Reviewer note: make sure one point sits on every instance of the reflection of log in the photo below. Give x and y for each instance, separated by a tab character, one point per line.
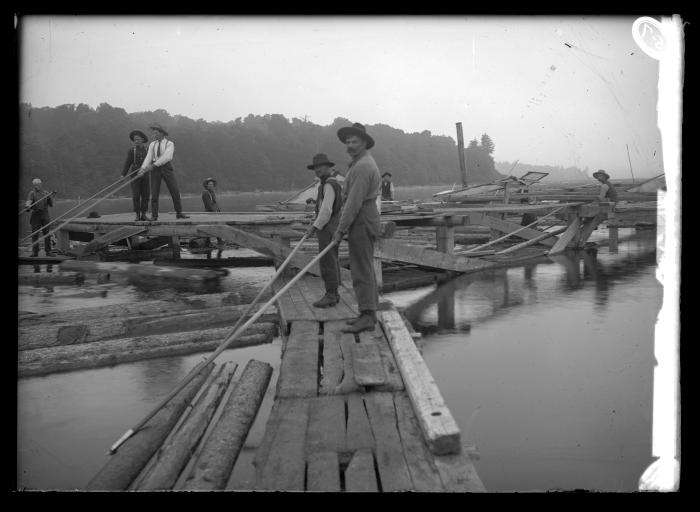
50	278
143	271
40	335
42	361
220	450
123	466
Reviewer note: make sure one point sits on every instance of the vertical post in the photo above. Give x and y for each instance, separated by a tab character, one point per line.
62	240
612	238
506	193
378	273
460	150
445	238
175	246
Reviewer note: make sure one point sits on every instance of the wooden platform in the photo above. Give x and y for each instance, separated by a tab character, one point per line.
342	419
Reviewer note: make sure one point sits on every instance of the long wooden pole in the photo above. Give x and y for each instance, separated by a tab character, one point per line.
460	150
533	241
223	346
630	161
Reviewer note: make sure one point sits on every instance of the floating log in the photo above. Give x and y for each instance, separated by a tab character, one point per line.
50	278
109	238
143	271
439	427
123	466
39	260
42	361
221	448
238	261
136	255
38	335
173	455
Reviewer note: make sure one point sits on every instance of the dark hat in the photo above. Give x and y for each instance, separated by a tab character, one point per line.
600	172
204	183
156	126
386	174
93	215
355	129
139	133
318	160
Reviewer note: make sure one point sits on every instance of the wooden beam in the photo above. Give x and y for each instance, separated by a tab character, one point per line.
568	236
460	151
505	226
390	249
112	236
439	427
536	240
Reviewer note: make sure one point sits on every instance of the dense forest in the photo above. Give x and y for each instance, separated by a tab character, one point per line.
556	173
78	150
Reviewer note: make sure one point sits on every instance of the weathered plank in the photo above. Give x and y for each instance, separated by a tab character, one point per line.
112	236
138	271
299	368
323	472
367	364
359	433
173	455
458	474
222	447
326	429
393	471
360	475
505	226
348	384
284	466
332	357
568	236
390	249
124	465
439	427
389	369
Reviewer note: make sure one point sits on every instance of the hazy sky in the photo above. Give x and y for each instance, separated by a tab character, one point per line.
515	78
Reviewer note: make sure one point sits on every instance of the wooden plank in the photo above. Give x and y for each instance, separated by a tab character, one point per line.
367	364
424	473
505	226
326	429
568	235
360	475
299	368
528	243
109	238
392	376
332	357
124	465
439	427
358	432
390	249
348	384
222	447
323	472
285	467
393	471
142	271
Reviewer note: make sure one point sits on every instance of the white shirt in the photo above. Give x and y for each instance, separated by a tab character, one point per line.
165	150
326	209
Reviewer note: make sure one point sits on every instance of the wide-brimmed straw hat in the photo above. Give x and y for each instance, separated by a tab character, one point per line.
355	129
204	183
601	172
134	133
318	160
156	126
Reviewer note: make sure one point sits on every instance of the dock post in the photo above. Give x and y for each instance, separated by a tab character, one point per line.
612	238
460	154
62	240
175	246
445	238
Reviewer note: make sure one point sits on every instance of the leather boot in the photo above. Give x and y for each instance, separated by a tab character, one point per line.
138	217
354	320
143	216
181	216
364	323
329	300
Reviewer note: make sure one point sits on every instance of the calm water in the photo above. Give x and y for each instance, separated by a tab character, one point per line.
546	368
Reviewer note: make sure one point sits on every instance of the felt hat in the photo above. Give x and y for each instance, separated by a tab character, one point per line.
318	160
601	172
386	174
36	181
204	183
156	126
134	133
355	129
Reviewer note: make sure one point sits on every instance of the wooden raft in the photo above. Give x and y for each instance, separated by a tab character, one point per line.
343	419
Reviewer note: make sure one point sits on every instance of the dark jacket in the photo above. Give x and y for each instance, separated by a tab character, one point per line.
209	200
43	200
134	159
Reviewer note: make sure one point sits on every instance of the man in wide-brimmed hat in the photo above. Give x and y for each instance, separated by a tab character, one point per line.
360	220
209	196
140	187
387	187
328	205
157	162
607	189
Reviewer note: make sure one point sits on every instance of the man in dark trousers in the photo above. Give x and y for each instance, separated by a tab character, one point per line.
157	162
209	200
38	202
387	187
140	187
360	220
329	201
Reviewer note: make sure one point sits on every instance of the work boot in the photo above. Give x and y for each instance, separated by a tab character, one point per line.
181	216
143	216
364	323
138	217
353	320
329	300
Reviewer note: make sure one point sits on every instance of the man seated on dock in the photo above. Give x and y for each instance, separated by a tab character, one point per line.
140	187
360	219
327	206
607	189
38	202
387	187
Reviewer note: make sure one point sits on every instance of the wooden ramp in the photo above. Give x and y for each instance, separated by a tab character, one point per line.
343	419
109	238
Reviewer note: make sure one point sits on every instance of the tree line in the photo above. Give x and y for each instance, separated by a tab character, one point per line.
77	150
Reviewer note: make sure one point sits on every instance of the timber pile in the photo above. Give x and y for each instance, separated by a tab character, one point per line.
139	272
194	441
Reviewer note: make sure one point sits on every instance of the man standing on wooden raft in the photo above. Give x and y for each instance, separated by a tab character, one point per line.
329	201
209	200
140	187
607	189
360	220
387	187
38	202
157	162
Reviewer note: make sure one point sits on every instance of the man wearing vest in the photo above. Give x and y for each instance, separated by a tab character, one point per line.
38	201
387	187
209	200
328	205
140	187
607	189
360	220
157	162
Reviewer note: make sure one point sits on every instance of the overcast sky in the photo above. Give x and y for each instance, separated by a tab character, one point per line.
548	90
